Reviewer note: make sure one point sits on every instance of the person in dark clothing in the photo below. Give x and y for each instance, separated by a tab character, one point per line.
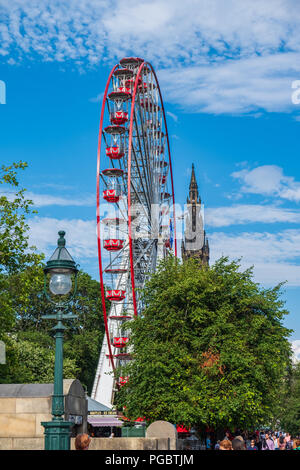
258	443
252	445
238	443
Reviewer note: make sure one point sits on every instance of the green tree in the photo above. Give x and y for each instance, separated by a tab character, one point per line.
15	253
289	413
34	363
22	302
83	337
206	349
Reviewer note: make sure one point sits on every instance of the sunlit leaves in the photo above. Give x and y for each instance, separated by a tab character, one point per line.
210	348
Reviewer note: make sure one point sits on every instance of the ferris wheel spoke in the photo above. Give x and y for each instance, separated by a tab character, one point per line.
142	157
142	204
144	252
142	116
125	247
142	180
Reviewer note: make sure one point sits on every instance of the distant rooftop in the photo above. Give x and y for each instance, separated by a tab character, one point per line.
94	406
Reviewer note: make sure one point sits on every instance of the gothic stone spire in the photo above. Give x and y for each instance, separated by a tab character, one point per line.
193	189
194	224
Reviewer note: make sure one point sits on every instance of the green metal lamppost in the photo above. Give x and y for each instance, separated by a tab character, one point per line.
61	267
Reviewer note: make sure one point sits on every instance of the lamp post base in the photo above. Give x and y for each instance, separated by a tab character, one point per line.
57	435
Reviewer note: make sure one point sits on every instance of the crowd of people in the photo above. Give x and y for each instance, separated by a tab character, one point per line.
259	440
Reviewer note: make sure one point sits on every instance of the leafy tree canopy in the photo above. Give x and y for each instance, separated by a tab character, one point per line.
15	253
22	302
82	339
289	413
209	350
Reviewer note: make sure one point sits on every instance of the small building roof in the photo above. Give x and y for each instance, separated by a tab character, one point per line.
94	406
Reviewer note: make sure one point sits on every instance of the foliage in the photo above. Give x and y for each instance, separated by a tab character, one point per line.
14	207
33	363
209	350
289	416
22	302
15	253
83	336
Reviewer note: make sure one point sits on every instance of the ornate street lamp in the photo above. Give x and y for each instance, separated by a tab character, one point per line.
61	268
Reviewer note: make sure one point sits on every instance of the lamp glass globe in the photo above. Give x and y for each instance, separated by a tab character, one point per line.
60	284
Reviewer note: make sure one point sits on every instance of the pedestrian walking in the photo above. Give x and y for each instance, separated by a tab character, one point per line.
227	436
287	440
275	440
267	443
282	442
252	445
217	445
208	443
258	442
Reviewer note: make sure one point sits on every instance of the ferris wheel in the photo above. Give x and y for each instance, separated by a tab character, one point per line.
135	207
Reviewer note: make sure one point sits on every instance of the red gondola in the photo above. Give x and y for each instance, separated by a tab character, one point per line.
115	295
120	341
119	117
115	152
111	195
113	245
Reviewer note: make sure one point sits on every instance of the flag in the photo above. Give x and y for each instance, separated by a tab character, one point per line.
171	233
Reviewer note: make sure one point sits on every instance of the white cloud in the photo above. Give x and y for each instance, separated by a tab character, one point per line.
214	56
98	98
249	213
272	254
80	235
296	350
42	200
173	116
81	238
269	180
236	86
158	29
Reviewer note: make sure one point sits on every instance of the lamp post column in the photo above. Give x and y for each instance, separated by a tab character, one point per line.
58	393
57	431
60	267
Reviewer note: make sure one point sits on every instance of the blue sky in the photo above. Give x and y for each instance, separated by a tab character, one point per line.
226	71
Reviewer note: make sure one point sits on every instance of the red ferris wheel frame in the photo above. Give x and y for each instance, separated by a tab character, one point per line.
140	69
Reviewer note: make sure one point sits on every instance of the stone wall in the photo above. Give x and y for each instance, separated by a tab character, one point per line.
24	406
22	417
129	443
22	443
101	443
